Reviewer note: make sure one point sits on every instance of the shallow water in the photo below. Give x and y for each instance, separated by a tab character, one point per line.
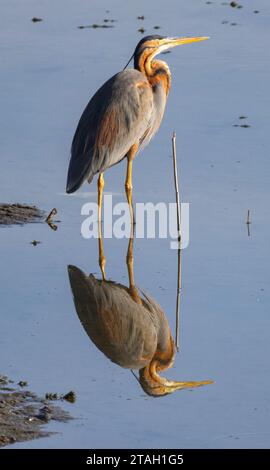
48	72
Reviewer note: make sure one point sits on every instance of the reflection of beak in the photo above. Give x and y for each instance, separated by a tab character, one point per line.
157	386
160	389
172	386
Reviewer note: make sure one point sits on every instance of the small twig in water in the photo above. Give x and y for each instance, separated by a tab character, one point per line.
49	219
248	222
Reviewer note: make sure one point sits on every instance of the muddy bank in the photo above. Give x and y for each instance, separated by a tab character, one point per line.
19	214
23	414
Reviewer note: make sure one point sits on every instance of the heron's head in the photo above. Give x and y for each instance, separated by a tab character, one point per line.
156	386
150	46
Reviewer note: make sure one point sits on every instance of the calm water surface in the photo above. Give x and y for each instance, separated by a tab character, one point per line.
48	72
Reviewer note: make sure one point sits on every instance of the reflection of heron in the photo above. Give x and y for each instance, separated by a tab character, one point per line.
122	116
128	326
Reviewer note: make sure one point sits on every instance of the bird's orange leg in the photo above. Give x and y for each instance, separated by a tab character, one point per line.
132	288
100	193
102	259
128	185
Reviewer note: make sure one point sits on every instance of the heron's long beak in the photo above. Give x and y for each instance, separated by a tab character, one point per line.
169	43
172	42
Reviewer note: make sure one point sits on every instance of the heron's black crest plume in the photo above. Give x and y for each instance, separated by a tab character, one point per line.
139	48
146	39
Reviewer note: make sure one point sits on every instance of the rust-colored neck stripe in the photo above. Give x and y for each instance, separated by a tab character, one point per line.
156	71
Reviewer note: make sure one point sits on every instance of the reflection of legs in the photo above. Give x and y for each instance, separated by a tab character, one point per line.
100	192
132	288
128	185
102	259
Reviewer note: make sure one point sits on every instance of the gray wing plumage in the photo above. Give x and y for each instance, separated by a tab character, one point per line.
122	329
118	115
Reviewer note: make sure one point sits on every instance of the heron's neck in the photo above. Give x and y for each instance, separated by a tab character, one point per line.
162	360
156	71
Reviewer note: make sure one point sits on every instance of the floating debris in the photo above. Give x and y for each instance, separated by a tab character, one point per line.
156	27
225	22
236	5
141	30
51	215
248	217
49	219
256	11
248	222
51	396
142	17
242	117
95	26
166	52
109	21
245	126
23	383
35	242
70	396
234	24
35	19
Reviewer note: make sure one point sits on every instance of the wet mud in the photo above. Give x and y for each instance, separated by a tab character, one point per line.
19	214
23	414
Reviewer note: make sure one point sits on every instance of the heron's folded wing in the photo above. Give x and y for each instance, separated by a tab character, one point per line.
116	117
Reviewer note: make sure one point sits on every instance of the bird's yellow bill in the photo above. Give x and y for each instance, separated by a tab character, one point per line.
171	385
179	41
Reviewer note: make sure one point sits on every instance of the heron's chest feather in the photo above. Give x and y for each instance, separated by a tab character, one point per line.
159	102
160	80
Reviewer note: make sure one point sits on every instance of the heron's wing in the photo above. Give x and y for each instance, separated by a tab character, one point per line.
116	324
116	117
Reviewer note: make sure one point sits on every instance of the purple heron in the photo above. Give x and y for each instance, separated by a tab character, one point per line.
128	326
122	116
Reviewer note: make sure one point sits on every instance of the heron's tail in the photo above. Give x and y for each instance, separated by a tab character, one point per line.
79	171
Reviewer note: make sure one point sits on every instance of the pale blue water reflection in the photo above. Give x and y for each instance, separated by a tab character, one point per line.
48	72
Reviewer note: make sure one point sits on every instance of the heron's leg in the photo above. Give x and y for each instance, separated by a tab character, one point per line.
102	259
130	265
100	193
128	185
